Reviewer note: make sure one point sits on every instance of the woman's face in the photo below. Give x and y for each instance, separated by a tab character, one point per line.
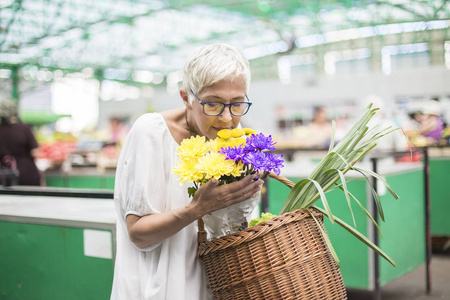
419	117
224	91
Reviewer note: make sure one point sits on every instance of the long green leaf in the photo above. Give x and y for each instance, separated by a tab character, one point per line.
327	240
325	188
322	196
360	237
376	198
346	193
381	179
293	196
366	212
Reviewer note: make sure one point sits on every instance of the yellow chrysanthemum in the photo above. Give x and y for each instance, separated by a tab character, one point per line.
215	165
192	148
237	132
216	144
187	171
249	131
238	169
234	142
225	134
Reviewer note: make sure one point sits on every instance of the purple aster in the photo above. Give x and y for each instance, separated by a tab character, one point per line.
259	142
258	160
275	163
234	153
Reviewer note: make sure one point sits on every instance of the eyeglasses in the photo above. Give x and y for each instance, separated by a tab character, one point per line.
212	108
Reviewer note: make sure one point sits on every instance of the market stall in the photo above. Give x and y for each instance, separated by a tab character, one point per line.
440	198
58	247
80	177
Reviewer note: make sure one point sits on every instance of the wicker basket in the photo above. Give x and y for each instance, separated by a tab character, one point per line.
282	258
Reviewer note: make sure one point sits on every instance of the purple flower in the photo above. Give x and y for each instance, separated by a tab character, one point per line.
263	161
255	153
275	162
259	142
257	159
234	153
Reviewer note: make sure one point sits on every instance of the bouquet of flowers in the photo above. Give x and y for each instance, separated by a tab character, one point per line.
230	157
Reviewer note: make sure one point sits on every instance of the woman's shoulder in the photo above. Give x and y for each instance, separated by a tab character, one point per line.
149	122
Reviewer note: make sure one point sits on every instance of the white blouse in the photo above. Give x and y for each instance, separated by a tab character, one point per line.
144	185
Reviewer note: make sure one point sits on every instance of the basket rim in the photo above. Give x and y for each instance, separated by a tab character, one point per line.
256	231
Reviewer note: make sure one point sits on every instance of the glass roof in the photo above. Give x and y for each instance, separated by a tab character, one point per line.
156	35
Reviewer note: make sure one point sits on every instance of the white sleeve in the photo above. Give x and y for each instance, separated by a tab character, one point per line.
140	177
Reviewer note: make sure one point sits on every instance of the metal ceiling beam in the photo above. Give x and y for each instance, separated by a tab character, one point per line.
73	25
275	13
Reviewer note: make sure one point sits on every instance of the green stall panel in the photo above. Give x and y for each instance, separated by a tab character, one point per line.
85	182
81	182
109	182
56	181
440	197
53	262
403	232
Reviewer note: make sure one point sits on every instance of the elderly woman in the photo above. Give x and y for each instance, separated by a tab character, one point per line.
156	226
18	146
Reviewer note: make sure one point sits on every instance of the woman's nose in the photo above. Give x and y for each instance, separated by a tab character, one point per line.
226	115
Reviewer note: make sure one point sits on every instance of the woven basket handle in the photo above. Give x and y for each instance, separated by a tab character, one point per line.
201	235
282	179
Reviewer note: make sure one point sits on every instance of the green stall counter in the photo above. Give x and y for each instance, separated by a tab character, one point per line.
56	247
403	232
81	178
440	197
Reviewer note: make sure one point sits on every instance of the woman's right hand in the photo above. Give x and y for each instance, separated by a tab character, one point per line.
211	197
150	229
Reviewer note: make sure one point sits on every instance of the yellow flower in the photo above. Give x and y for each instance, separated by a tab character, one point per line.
215	165
249	131
216	144
187	171
237	132
238	169
234	142
194	147
225	134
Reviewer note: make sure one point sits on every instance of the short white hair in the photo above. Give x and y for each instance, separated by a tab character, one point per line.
209	64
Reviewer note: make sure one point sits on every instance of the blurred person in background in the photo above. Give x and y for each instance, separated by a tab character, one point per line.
156	219
321	128
316	134
119	130
18	144
430	124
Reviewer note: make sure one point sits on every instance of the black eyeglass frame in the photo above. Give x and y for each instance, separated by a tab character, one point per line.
249	103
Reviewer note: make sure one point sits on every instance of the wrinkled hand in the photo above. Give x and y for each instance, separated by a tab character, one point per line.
211	197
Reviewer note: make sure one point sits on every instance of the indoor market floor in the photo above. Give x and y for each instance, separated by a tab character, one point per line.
412	286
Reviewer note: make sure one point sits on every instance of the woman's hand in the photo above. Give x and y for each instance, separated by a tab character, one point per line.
211	197
150	229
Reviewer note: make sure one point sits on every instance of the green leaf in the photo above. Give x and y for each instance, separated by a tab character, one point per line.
346	193
293	198
365	211
327	240
376	198
322	197
191	191
360	236
381	179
